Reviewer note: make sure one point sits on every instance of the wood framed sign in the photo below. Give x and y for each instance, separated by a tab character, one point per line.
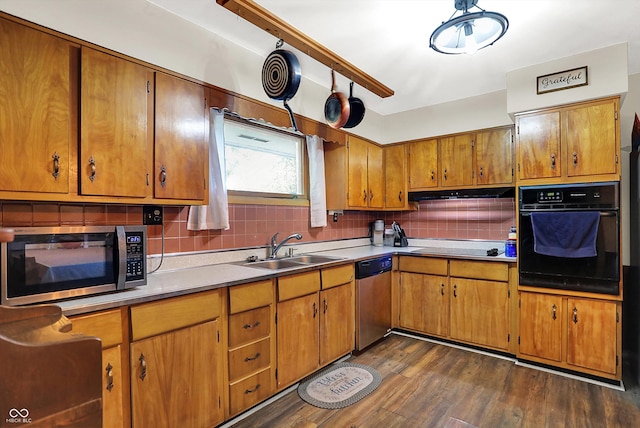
563	80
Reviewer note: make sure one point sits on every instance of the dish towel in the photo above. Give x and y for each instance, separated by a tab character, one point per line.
565	234
317	189
215	215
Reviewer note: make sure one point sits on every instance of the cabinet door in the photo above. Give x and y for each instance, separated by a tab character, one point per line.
375	176
591	140
592	334
113	386
395	177
424	303
541	318
494	157
297	338
337	320
176	378
114	148
480	312
538	145
423	164
358	190
35	104
181	149
456	161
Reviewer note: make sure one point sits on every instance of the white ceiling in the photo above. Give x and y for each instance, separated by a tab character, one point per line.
389	40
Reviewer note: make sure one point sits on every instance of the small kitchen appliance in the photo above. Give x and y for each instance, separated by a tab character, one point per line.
376	231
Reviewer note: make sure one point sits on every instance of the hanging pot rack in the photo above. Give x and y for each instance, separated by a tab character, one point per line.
262	18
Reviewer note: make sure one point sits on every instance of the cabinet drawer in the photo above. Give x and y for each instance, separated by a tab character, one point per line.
105	325
332	277
429	265
250	391
150	319
248	359
494	271
249	326
250	296
302	284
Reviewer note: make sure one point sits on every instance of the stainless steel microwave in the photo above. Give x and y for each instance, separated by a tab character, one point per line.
53	263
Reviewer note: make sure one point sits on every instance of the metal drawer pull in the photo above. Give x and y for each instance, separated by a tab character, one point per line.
553	311
248	326
255	357
92	165
143	367
56	165
249	391
109	370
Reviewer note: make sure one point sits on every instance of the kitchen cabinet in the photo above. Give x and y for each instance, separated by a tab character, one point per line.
572	143
424	295
181	146
423	164
316	321
590	328
36	110
176	361
461	300
456	160
395	177
494	157
114	146
251	344
111	327
354	175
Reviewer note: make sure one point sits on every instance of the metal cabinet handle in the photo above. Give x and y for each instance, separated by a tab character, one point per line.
445	174
250	391
553	161
109	370
255	357
553	312
325	306
56	165
364	195
442	289
481	172
575	159
400	196
163	176
575	315
370	196
248	326
315	309
143	367
433	175
92	165
455	290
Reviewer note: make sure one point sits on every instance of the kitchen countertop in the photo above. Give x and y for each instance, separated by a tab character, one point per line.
177	282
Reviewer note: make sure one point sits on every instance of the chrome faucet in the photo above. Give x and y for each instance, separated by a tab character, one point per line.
275	246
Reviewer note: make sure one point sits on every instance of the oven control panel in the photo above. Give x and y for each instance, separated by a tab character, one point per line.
550	196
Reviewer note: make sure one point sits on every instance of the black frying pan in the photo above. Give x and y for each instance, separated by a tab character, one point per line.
357	110
336	108
281	78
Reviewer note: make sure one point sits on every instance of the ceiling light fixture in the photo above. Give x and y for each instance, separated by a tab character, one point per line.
469	32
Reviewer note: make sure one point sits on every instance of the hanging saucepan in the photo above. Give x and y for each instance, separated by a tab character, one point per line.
336	108
281	77
357	110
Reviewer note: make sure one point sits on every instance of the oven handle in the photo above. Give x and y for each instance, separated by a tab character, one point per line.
121	237
602	213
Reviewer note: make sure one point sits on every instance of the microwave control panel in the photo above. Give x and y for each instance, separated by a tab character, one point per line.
135	255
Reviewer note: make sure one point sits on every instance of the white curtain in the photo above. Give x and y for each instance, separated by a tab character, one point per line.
317	190
216	214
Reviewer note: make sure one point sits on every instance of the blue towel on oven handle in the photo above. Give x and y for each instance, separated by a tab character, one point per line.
569	234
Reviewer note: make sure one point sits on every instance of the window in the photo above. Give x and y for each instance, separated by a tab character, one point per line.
263	161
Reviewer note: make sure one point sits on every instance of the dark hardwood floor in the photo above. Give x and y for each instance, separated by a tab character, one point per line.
431	385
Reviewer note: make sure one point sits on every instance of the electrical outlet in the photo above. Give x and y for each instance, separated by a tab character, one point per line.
151	214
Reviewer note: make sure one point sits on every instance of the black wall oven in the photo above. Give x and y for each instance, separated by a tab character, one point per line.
569	237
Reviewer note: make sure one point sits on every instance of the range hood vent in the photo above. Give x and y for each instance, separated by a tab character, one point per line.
493	192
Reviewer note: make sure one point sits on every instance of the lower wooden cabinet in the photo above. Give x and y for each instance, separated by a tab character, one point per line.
177	362
110	327
424	300
575	333
337	313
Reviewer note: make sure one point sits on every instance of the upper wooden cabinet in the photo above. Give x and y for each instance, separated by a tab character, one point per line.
181	148
114	147
482	158
580	142
35	110
395	177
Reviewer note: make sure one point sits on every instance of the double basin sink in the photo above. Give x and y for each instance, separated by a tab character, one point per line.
291	262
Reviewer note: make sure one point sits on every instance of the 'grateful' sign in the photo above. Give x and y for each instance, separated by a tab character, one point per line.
563	80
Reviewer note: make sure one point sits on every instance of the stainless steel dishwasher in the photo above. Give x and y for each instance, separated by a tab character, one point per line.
373	300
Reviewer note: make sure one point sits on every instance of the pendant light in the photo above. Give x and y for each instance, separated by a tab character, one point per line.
470	31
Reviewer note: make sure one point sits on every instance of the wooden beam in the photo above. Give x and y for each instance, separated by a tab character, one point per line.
262	18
